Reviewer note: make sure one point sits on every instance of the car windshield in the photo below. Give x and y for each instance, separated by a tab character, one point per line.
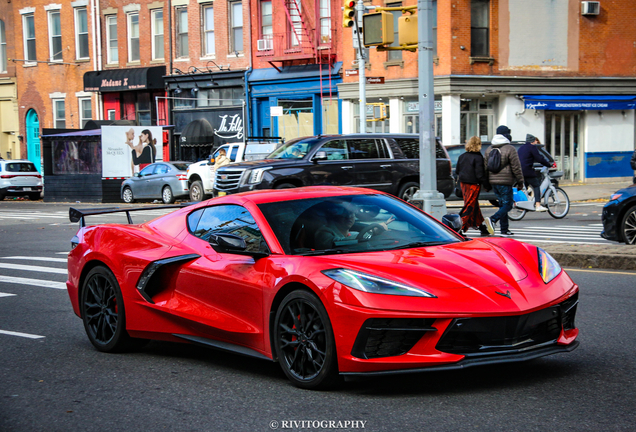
347	224
20	167
293	149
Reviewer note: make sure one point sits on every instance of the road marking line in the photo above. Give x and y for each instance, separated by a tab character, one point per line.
35	282
6	294
599	271
36	258
25	335
33	268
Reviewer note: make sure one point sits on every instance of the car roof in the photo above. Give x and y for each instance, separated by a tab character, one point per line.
277	195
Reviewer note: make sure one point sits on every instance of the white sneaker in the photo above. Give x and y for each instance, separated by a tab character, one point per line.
489	226
540	208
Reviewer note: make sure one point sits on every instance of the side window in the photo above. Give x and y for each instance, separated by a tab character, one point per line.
410	147
162	169
149	170
227	219
439	150
363	149
234	153
336	150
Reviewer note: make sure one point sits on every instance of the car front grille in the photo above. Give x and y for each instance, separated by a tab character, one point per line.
228	179
386	337
490	335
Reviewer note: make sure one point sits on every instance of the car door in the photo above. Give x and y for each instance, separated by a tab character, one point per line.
336	169
156	180
373	164
223	292
141	185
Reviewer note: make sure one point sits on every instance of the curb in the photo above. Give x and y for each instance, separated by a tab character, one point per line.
582	260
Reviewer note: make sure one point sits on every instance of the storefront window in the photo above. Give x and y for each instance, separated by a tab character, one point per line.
297	119
77	157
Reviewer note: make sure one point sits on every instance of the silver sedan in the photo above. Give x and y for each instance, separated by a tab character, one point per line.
166	181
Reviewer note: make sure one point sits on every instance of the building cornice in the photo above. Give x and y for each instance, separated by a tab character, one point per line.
491	84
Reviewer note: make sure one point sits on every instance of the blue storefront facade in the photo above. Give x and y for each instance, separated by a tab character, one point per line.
295	101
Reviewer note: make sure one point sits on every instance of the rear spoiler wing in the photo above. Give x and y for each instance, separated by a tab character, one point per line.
79	215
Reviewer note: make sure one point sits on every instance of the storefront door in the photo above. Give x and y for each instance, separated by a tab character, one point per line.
33	138
562	139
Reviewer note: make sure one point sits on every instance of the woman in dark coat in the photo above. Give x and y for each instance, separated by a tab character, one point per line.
471	175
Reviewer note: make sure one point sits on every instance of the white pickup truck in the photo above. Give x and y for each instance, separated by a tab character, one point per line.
201	174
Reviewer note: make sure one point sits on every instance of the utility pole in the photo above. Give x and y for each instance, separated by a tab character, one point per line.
427	198
361	66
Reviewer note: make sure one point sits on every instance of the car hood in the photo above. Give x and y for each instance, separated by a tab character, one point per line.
471	264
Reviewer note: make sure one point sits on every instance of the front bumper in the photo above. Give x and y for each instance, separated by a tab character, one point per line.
609	218
386	342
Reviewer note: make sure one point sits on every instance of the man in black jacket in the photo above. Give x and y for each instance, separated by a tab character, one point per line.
528	155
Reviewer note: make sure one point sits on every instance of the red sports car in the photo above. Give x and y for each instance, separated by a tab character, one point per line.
326	281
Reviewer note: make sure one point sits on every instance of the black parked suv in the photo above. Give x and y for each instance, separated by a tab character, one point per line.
385	162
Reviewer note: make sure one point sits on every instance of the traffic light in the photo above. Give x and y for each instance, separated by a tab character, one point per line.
349	13
407	30
378	28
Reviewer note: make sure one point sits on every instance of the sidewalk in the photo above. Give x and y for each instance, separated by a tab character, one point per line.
614	256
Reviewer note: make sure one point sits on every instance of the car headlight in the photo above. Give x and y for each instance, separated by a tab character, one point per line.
256	175
373	284
548	266
615	196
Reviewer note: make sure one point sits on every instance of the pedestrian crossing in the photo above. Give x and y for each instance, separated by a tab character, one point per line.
567	234
37	272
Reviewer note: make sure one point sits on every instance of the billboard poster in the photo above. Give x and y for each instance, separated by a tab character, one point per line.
128	149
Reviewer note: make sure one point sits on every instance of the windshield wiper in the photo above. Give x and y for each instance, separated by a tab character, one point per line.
326	252
421	244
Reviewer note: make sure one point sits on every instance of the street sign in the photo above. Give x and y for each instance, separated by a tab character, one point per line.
375	80
352	72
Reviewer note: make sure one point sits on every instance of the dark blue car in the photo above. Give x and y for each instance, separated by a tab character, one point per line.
619	216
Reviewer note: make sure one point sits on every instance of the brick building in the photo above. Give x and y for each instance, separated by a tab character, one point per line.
53	48
546	67
9	124
297	67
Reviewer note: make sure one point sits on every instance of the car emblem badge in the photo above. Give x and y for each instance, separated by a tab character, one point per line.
506	294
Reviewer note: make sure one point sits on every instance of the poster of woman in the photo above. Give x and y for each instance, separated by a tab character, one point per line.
126	150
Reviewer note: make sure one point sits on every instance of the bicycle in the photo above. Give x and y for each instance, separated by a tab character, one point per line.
552	197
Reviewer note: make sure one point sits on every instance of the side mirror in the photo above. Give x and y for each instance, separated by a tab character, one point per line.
227	243
137	175
321	155
453	221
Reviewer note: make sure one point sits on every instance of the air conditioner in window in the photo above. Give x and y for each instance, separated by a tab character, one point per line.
265	44
590	8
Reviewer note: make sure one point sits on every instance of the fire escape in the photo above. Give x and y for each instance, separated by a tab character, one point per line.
302	43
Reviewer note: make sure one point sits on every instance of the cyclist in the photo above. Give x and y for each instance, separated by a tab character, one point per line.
528	155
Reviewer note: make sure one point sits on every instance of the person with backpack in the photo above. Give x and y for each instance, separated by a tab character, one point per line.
504	170
528	155
471	175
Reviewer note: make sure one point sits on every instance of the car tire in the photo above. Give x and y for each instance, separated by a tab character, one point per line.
197	192
103	313
166	195
2	197
408	190
34	196
285	186
304	342
628	226
127	196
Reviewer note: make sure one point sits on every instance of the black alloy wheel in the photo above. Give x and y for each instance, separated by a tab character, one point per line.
628	226
103	312
304	342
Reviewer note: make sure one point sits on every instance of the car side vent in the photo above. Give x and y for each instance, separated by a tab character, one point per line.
590	8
